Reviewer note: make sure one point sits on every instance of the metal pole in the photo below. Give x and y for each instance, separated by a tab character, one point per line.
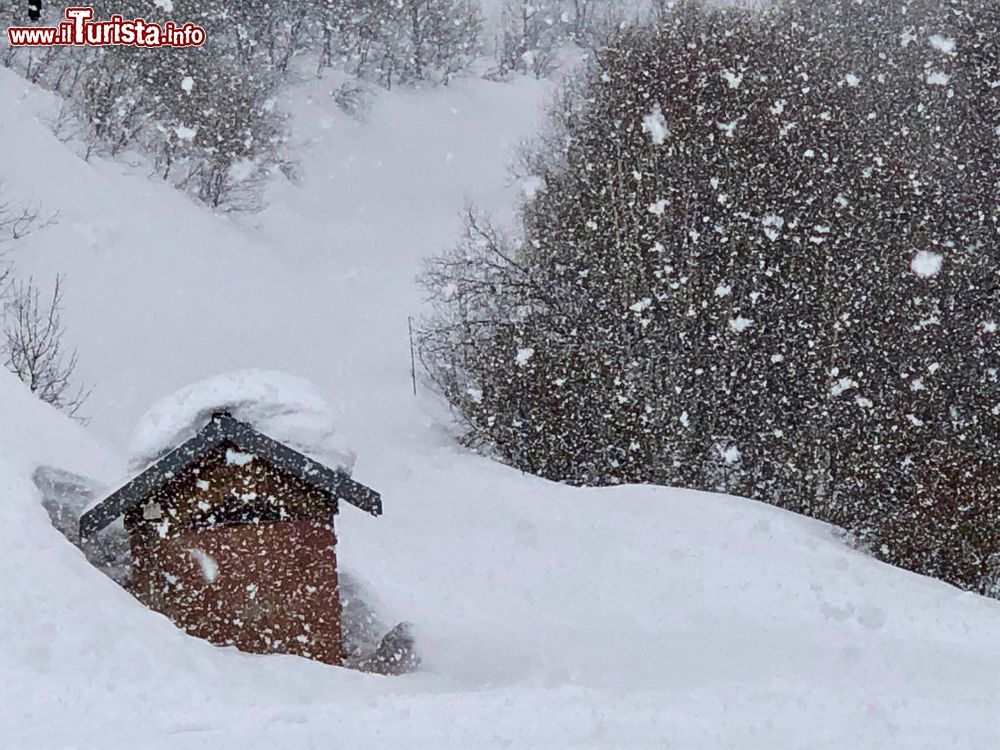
413	358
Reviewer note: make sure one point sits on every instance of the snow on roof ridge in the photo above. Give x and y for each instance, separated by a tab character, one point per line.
285	407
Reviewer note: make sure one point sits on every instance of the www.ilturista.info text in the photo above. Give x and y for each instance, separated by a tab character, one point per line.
80	30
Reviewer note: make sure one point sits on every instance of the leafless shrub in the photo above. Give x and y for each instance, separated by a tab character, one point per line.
18	220
31	341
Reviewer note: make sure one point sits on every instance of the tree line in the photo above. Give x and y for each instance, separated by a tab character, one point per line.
207	117
760	256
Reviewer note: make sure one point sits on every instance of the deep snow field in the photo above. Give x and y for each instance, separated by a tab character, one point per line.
546	616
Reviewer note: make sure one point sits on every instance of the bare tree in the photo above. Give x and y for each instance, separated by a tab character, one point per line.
15	222
529	38
32	345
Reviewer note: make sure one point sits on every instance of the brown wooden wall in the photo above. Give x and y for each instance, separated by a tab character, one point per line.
243	554
267	588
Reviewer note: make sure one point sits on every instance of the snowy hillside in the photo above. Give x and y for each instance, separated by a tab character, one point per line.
375	200
547	616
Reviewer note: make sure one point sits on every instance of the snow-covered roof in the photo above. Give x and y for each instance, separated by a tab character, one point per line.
223	430
284	407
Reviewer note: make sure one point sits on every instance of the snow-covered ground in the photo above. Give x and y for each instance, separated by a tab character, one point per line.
547	616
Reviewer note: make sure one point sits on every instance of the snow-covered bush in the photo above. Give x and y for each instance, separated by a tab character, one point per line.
207	117
757	256
112	101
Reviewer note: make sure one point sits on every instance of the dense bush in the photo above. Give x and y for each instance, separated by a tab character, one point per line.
760	257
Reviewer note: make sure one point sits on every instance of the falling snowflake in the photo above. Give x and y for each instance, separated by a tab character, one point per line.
236	458
730	454
844	384
209	567
185	133
733	79
531	186
659	207
740	324
729	128
942	43
926	264
772	224
655	124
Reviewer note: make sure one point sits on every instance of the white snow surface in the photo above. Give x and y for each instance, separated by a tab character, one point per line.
33	434
287	408
547	616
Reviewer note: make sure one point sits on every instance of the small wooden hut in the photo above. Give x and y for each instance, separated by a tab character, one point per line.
232	537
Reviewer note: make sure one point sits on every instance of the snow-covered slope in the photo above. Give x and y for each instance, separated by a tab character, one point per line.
162	293
547	616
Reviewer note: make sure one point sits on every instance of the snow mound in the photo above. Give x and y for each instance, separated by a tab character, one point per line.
284	407
36	437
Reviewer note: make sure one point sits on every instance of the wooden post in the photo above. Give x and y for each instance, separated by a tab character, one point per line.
413	358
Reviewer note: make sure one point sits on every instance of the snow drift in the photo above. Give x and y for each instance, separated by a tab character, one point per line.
549	617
